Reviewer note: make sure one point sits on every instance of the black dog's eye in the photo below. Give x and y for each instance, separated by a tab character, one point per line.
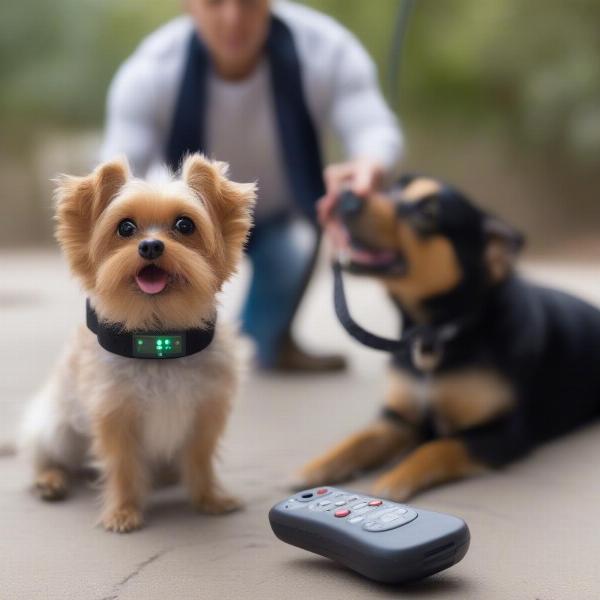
423	216
184	225
426	216
127	228
430	209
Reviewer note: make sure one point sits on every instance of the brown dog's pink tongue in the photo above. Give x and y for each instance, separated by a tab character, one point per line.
152	279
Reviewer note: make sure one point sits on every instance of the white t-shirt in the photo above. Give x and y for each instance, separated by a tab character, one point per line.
339	81
241	129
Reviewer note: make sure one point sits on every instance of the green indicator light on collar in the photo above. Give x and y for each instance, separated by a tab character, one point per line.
154	346
158	345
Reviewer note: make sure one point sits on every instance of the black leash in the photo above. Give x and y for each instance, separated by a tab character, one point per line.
361	335
425	342
396	49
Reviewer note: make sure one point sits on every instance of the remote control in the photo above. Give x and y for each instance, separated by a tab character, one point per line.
382	540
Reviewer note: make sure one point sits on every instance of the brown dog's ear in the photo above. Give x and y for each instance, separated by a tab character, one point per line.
503	245
229	203
79	203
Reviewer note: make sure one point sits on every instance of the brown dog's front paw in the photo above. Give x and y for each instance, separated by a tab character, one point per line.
52	485
123	520
217	504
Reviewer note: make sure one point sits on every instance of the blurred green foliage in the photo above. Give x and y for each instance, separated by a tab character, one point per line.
57	58
520	70
525	70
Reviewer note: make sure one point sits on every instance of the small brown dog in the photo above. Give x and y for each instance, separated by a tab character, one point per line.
151	258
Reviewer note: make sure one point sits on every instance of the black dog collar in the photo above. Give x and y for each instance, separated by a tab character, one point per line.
426	343
149	344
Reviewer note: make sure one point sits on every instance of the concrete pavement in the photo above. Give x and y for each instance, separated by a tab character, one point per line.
535	526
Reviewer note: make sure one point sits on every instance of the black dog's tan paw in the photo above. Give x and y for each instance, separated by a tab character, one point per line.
393	488
217	504
123	520
52	485
335	467
362	450
312	476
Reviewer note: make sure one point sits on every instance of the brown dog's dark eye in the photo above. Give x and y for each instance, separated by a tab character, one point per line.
184	225
127	228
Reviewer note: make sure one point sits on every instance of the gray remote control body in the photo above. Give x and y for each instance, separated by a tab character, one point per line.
382	540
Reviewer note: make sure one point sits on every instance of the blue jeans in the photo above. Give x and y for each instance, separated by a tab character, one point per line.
282	260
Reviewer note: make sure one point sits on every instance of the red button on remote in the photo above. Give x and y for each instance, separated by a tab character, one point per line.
376	503
322	491
342	512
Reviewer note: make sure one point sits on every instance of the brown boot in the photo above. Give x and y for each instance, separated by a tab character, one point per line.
292	359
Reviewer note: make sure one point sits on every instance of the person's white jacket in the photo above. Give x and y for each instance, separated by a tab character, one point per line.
339	80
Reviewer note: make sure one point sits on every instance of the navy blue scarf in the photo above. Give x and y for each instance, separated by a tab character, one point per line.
299	140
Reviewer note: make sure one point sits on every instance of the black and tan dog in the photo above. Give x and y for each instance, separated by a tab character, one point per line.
491	365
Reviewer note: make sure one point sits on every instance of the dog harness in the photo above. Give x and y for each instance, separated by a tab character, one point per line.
149	344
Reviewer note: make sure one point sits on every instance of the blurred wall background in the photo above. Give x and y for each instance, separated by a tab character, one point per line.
500	97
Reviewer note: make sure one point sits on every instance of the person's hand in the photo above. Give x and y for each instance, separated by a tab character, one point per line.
361	175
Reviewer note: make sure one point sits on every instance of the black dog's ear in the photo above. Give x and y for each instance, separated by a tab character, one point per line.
406	179
502	247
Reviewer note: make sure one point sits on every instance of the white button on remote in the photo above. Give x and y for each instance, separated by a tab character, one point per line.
355	519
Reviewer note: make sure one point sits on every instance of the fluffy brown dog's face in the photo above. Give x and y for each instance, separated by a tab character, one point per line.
154	256
422	240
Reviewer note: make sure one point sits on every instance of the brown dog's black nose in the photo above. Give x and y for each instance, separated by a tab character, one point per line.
150	249
349	206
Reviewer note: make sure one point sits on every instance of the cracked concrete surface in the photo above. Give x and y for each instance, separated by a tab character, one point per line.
118	588
535	526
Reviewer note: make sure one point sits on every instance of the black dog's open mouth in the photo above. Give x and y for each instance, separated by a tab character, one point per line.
359	258
362	258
